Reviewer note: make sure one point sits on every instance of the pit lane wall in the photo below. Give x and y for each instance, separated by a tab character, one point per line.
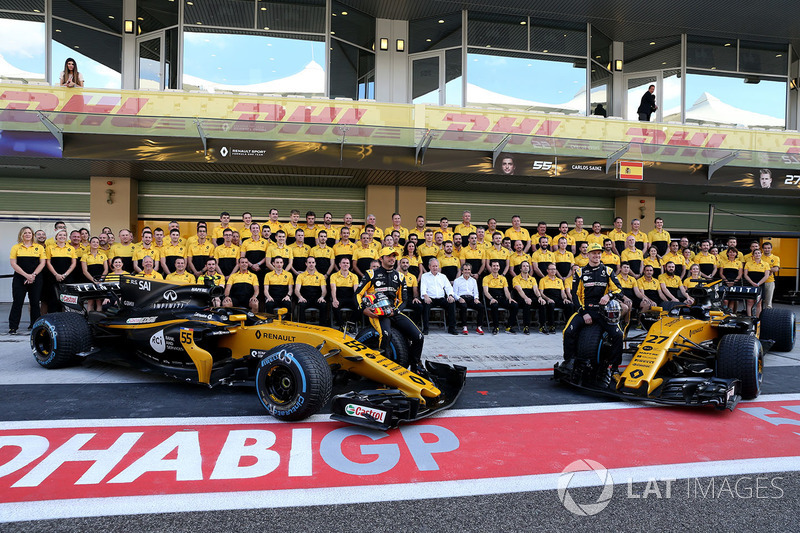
479	126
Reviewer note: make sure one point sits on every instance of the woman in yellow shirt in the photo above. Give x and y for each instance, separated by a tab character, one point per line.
755	274
27	261
653	260
94	265
410	252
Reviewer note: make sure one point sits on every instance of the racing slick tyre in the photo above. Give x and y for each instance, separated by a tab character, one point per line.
58	338
398	346
778	325
590	344
741	356
293	381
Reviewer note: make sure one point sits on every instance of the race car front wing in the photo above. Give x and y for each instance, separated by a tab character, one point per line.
685	391
384	409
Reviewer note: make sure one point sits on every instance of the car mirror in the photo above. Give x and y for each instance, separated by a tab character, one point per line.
237	318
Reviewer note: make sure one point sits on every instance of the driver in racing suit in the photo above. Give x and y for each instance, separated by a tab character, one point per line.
595	285
385	279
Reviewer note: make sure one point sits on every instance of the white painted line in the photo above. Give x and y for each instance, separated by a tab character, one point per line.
266	419
131	505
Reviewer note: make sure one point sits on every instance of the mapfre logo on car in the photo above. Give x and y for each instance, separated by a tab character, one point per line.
365	412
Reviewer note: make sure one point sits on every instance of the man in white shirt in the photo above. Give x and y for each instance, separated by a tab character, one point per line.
436	291
465	289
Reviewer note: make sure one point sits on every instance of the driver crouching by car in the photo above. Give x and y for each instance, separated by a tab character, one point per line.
595	286
385	281
242	288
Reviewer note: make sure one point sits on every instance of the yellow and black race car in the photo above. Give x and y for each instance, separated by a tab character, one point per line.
696	355
173	330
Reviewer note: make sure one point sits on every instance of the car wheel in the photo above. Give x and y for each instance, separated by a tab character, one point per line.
58	338
778	325
741	357
590	343
398	346
293	381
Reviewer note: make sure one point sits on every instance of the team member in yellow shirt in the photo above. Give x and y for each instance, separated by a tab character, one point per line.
94	263
756	273
496	295
648	290
242	288
278	287
427	250
706	260
343	296
398	227
447	233
300	251
775	265
563	232
419	229
597	237
171	251
527	294
148	271
28	259
563	259
414	260
211	276
449	263
542	257
343	248
579	234
291	227
627	284
465	227
311	291
659	237
199	252
497	253
654	261
331	231
180	275
676	257
145	249
473	255
608	257
218	235
672	288
640	236
227	254
582	259
517	233
363	255
619	237
323	254
517	258
632	256
554	293
124	249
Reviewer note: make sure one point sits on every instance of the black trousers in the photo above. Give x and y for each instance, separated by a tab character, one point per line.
345	303
18	291
527	310
470	303
407	328
513	309
576	323
449	311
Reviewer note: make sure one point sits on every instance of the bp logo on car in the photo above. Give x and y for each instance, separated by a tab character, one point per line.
360	411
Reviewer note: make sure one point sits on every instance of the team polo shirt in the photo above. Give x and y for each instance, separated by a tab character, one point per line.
60	253
659	239
516	259
641	238
465	229
341	281
290	230
626	282
707	262
217	233
403	232
362	257
185	278
689	283
672	283
255	250
774	261
543	258
609	258
634	258
593	238
551	287
563	261
450	266
524	284
243	285
473	256
650	288
678	259
420	233
729	270
411	280
498	282
756	271
216	278
299	254
141	253
310	234
487	237
580	237
122	250
520	234
280	251
331	233
427	251
413	260
227	257
152	275
171	252
502	255
341	250
447	234
28	257
655	263
581	260
305	279
95	264
555	238
324	257
618	237
692	254
200	253
51	241
111	277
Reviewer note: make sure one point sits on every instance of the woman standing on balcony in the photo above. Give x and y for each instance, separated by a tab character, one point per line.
70	77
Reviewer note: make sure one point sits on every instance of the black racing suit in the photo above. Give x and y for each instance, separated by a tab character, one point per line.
591	284
393	285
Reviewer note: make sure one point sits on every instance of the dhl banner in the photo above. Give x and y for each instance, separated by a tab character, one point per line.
245	116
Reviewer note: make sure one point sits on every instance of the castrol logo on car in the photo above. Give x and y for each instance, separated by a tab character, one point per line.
365	412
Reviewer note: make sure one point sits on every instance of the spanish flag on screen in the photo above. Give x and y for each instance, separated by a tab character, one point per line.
631	170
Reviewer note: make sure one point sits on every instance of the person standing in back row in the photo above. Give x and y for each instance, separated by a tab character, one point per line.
648	104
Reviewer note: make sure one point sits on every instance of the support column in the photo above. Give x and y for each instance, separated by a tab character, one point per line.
129	47
411	202
391	66
381	202
641	207
115	205
618	88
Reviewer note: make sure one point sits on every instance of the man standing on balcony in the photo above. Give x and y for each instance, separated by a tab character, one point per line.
648	104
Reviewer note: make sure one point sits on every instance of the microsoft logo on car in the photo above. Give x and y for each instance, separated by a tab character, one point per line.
364	412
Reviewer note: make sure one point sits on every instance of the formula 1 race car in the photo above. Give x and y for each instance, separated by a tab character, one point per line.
172	330
696	355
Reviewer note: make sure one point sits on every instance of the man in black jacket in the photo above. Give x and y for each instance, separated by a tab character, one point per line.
648	104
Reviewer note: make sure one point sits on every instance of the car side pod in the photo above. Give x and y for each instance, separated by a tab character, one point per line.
384	409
